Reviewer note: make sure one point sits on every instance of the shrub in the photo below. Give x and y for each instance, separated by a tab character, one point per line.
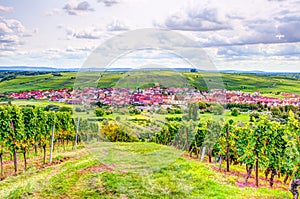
134	111
99	112
254	116
202	105
66	109
115	133
217	109
174	119
77	109
235	112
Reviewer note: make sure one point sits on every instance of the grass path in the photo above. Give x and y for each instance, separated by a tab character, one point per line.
129	170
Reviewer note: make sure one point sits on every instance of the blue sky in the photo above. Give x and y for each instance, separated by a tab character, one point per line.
241	35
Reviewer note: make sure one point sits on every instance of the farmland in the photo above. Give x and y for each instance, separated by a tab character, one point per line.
143	151
266	84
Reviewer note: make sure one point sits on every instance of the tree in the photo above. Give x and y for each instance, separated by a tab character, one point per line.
243	149
4	131
199	137
114	133
65	126
41	136
202	105
261	133
291	158
99	112
66	109
211	138
235	112
217	109
77	131
15	132
29	120
192	111
254	116
275	147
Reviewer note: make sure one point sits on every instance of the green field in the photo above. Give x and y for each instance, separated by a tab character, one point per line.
248	82
266	84
227	116
130	170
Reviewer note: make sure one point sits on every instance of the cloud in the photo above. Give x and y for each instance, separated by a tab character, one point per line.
259	51
117	25
109	3
77	9
55	11
195	19
11	31
8	26
5	9
219	25
87	33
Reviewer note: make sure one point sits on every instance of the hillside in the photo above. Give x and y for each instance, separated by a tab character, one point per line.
265	83
129	170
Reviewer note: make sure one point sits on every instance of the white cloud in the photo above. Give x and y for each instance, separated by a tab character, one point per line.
216	24
11	31
196	19
5	9
117	25
87	33
53	12
77	9
109	3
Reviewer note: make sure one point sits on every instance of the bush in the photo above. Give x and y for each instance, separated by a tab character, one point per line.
99	112
235	112
108	112
51	107
254	116
162	111
77	109
174	119
66	109
217	109
115	133
134	111
202	105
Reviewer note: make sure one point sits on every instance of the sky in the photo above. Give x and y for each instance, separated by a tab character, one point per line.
236	35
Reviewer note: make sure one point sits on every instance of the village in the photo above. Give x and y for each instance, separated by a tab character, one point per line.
154	96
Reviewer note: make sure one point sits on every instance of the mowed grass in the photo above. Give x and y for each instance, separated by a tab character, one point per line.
266	84
243	117
40	103
129	170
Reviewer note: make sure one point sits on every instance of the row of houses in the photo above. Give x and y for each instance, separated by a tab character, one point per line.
154	96
148	96
239	97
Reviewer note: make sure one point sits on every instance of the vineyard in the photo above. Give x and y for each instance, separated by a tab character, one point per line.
263	146
26	129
